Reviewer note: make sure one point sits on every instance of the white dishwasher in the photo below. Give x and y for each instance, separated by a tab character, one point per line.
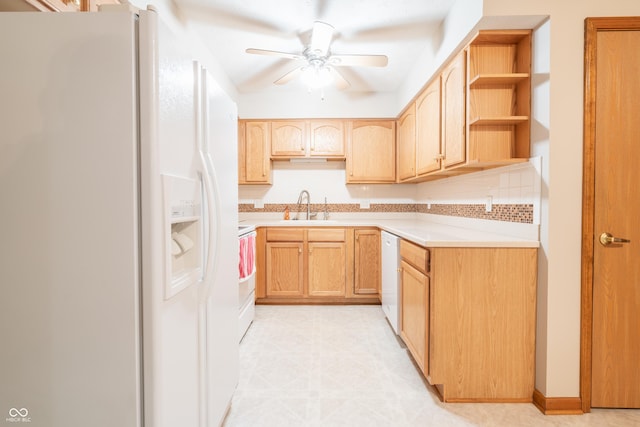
391	278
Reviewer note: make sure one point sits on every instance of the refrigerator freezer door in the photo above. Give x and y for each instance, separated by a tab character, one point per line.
69	259
168	146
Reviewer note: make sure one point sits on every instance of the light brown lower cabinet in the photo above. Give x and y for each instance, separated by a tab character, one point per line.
468	320
367	263
284	262
414	324
327	262
317	265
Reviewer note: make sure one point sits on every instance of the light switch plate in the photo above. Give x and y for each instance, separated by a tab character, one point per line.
365	204
258	204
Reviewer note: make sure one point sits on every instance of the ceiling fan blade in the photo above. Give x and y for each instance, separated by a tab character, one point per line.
321	38
274	53
358	60
289	76
338	80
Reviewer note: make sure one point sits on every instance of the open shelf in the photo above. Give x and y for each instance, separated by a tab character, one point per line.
497	79
504	120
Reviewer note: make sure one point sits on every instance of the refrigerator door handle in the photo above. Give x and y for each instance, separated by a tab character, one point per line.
213	213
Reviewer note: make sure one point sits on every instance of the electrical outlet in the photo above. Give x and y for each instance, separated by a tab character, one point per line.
365	204
258	204
489	204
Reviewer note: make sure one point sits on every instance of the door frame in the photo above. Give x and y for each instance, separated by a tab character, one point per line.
592	27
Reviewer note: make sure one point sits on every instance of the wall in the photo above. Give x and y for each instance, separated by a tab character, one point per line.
321	180
559	298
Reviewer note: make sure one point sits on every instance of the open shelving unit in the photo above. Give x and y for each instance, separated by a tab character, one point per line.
498	97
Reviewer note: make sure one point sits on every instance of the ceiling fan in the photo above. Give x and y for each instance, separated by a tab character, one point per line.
319	65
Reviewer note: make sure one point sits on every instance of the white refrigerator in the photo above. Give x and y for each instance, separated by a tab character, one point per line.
119	249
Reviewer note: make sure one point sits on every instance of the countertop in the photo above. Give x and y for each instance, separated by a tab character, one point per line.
421	232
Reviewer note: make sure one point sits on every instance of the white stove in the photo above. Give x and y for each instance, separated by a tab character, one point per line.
247	277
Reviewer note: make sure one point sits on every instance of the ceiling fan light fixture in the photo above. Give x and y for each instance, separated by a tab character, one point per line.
317	77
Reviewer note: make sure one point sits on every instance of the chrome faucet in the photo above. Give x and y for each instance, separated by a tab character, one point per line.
302	193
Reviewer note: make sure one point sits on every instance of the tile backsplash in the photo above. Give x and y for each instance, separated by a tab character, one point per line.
509	194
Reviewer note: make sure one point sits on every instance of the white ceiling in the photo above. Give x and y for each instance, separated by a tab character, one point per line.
399	29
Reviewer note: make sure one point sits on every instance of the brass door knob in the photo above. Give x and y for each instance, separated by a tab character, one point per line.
607	239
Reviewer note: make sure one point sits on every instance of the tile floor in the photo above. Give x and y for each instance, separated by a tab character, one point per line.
326	366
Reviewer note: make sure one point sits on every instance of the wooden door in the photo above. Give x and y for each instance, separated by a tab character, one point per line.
288	138
326	138
327	264
428	153
407	144
367	262
453	112
371	151
285	269
612	205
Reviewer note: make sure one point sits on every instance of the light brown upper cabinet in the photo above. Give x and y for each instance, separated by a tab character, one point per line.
326	138
453	112
371	152
407	144
254	140
475	114
288	139
307	138
428	153
499	96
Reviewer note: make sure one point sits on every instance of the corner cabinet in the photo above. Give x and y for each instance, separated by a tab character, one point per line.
468	320
371	151
254	142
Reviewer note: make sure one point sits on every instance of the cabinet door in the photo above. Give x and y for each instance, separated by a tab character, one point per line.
415	314
367	262
428	154
285	269
327	264
326	138
371	151
288	138
242	147
407	144
256	151
453	112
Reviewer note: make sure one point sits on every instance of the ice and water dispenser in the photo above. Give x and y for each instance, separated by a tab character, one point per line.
183	233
